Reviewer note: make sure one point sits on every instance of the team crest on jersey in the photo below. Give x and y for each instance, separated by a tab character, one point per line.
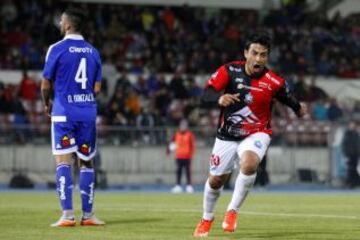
240	86
85	149
258	144
249	98
65	141
234	69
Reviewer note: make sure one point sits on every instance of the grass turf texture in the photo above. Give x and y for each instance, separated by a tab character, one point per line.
27	215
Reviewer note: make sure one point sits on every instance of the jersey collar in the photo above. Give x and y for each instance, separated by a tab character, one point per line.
74	37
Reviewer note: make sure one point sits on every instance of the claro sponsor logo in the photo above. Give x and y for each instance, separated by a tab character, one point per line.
80	50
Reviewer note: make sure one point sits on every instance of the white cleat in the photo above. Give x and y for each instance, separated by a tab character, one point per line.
177	189
92	221
64	222
189	189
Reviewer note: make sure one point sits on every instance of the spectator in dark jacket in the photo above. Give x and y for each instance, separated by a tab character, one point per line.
351	149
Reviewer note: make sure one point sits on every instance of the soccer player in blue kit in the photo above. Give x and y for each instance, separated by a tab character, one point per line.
73	70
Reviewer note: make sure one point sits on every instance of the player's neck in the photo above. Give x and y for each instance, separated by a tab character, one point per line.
247	70
71	32
251	74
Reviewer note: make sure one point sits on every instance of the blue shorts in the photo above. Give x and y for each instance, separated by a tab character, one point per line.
69	137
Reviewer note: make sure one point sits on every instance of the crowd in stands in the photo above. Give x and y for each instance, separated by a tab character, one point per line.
140	39
151	42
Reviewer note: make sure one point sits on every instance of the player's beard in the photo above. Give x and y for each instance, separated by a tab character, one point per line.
256	70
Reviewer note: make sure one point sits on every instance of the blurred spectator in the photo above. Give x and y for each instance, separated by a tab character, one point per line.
141	86
183	143
177	87
334	110
146	120
5	102
351	149
162	96
316	92
28	88
139	38
132	102
181	40
319	110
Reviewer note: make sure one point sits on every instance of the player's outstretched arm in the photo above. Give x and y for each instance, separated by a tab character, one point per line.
286	97
45	94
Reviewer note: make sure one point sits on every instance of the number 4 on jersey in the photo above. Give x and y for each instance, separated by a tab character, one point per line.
80	76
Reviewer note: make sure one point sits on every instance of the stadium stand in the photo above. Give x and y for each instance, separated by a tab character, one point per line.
164	49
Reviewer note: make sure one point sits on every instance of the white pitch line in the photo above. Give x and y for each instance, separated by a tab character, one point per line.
300	215
297	215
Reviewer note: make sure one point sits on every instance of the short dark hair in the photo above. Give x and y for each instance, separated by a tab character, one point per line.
76	17
260	38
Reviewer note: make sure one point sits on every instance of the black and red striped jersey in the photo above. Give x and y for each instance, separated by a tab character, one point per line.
253	112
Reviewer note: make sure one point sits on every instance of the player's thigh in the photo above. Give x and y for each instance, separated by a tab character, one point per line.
257	143
86	140
63	138
223	157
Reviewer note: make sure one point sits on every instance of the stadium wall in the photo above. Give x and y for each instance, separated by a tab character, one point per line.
151	165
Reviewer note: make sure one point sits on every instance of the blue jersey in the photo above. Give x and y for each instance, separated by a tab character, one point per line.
73	65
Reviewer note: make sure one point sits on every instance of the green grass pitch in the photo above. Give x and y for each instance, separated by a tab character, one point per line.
310	216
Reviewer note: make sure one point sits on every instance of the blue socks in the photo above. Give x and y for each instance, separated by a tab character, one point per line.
64	186
87	184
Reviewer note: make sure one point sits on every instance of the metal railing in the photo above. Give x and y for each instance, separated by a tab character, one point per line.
131	155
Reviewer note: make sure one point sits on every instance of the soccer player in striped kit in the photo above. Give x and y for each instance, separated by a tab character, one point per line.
244	91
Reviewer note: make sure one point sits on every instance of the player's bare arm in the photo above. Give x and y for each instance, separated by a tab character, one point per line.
228	99
97	88
45	94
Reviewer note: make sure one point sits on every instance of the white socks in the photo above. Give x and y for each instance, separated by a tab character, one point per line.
210	198
68	214
243	185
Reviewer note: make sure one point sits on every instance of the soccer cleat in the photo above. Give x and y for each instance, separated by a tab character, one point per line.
177	189
203	228
64	222
229	223
189	189
92	221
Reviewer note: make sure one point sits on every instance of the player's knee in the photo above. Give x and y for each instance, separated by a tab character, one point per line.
86	164
63	159
249	163
216	182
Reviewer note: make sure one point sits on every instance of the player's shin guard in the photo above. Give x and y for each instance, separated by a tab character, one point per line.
87	184
210	198
64	186
243	185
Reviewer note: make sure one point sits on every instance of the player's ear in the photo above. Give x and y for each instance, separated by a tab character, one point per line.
67	26
246	52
